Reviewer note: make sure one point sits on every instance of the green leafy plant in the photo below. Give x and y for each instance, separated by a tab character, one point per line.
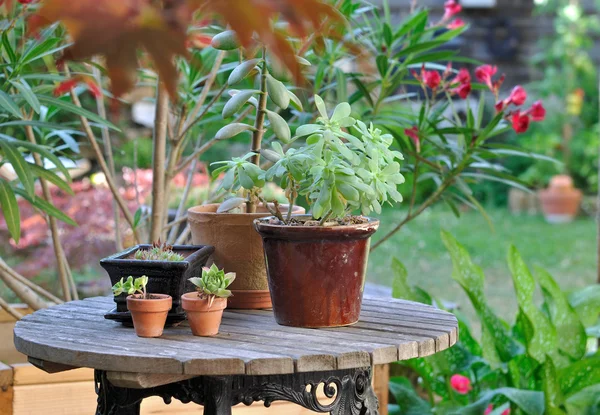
537	365
131	286
159	252
213	283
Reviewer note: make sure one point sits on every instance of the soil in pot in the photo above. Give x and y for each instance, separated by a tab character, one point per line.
238	249
560	201
149	315
204	318
316	273
170	278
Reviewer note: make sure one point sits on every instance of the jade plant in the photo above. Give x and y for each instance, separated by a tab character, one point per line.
344	166
159	252
213	283
131	286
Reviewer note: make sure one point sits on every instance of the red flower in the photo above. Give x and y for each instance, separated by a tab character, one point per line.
413	134
489	409
451	8
432	79
537	111
93	88
65	86
518	96
506	412
463	90
198	41
463	76
520	122
485	73
499	106
26	1
456	23
460	384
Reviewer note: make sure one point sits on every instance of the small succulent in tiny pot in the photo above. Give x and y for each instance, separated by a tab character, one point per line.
205	307
148	311
316	263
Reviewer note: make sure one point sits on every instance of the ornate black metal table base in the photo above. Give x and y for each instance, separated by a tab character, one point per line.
349	390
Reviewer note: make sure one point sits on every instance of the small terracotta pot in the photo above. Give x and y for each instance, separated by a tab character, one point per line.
149	315
316	274
560	201
204	320
238	249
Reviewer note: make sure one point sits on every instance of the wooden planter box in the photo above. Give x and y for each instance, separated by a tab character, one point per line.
27	390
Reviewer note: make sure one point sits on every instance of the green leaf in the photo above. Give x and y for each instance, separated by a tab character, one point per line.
564	318
551	388
278	92
544	338
70	107
46	207
530	402
295	101
579	375
407	398
586	303
10	210
27	94
51	177
10	53
400	286
236	102
382	64
18	163
36	148
226	40
46	47
585	402
9	105
242	71
280	126
420	47
137	217
321	107
231	204
232	130
411	23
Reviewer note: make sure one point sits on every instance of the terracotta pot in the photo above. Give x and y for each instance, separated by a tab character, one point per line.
204	320
560	201
238	249
149	315
164	277
316	274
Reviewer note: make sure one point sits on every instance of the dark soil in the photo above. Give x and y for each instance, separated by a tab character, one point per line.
348	220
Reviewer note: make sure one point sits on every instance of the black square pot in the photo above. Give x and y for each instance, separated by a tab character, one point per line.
164	277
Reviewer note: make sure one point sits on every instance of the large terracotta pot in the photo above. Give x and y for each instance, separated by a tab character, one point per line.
316	274
238	249
204	319
149	315
560	201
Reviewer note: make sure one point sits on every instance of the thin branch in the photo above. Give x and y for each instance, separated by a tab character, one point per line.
184	236
158	161
178	221
25	293
184	198
10	310
104	167
414	187
108	151
36	288
64	274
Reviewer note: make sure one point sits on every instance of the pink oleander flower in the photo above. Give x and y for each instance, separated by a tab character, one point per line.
456	23
432	79
520	122
489	409
451	8
413	134
537	111
518	96
461	384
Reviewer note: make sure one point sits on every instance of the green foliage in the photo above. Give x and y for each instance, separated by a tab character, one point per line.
213	283
535	366
131	286
159	252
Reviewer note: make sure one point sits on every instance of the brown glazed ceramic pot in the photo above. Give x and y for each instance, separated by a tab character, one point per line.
560	201
316	274
238	249
204	320
149	316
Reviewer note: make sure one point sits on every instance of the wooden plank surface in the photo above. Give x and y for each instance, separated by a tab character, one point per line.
250	341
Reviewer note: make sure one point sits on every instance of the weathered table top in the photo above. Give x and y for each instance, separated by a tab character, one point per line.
250	342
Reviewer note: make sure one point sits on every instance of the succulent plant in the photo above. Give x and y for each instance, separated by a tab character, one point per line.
213	283
131	286
159	252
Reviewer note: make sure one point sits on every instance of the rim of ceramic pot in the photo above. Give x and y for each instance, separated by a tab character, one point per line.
218	304
120	258
195	211
355	231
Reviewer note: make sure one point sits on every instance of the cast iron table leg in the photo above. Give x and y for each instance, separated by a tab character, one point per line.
349	390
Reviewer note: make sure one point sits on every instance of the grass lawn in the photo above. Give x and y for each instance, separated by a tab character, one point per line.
567	251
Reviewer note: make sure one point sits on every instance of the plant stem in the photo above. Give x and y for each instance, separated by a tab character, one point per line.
10	310
183	201
25	293
324	218
62	264
414	187
36	288
184	236
108	151
158	161
258	133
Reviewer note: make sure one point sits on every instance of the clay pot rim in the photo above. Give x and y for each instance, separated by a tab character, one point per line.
197	303
150	305
193	211
356	231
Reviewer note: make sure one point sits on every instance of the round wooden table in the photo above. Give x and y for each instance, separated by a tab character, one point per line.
252	358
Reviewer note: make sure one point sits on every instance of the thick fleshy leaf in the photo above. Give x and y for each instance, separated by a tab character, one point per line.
226	40
236	102
308	129
278	92
10	210
343	110
295	101
321	107
280	126
230	204
242	71
232	130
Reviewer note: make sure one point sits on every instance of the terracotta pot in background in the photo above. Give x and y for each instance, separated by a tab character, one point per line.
238	248
149	315
316	274
203	320
560	201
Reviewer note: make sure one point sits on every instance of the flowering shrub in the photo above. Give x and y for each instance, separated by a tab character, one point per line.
538	365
